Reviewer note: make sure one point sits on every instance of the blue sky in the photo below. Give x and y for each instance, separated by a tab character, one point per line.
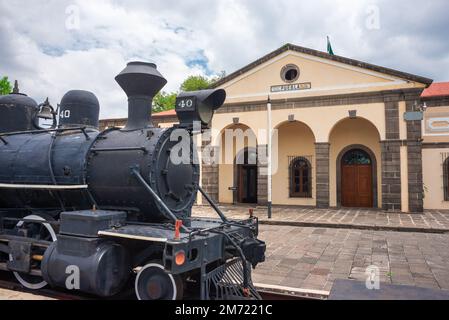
54	46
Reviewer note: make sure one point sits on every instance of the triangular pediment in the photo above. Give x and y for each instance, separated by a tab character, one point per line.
317	74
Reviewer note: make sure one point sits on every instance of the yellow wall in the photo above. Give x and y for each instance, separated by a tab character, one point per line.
226	169
315	124
433	160
295	139
353	132
430	135
433	178
320	120
326	76
347	132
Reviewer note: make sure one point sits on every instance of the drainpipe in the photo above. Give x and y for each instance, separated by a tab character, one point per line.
269	182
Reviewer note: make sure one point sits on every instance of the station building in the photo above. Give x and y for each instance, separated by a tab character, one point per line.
349	134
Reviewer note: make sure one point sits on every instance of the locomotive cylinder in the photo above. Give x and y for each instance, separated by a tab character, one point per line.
97	266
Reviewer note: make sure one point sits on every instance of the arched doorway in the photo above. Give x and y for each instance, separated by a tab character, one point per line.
246	176
294	177
234	140
357	177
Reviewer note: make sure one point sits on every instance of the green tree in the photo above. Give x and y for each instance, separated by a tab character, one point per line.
164	101
5	86
194	83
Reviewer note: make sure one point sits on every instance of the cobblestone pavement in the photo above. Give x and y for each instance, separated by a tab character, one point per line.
17	295
312	258
430	221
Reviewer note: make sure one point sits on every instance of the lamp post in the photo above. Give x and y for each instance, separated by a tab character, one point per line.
269	182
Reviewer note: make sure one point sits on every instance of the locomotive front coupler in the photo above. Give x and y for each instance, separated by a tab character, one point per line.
213	241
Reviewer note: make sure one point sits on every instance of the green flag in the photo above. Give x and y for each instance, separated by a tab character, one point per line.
329	47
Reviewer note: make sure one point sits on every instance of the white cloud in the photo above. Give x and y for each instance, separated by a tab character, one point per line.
48	59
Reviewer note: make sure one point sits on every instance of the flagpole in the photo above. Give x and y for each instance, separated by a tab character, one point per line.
269	182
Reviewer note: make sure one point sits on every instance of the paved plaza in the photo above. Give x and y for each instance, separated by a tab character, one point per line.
302	254
312	258
7	294
430	221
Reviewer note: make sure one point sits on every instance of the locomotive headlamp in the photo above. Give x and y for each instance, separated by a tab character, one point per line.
198	106
180	258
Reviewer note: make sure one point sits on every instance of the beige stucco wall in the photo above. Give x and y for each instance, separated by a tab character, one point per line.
226	168
433	160
315	124
295	139
433	178
353	132
326	76
319	120
430	136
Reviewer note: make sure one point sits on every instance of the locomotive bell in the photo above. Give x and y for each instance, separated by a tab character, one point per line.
140	81
46	111
198	106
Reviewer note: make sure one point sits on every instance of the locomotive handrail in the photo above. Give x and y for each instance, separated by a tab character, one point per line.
143	149
42	186
82	129
166	211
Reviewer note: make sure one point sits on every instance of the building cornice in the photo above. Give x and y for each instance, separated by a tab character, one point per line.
323	55
325	101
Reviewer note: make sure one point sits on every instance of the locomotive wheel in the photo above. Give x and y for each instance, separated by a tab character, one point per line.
39	231
154	283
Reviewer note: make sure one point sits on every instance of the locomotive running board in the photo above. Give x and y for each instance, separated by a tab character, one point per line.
143	233
130	236
42	186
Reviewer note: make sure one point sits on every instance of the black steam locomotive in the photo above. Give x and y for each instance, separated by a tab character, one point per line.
110	212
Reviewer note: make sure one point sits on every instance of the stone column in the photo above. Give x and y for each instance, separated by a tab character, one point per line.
262	178
322	174
209	179
391	156
414	153
392	117
391	175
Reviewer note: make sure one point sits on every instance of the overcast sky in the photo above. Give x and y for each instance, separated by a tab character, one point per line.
52	46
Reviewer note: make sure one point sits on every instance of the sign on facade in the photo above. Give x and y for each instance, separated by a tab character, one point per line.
292	87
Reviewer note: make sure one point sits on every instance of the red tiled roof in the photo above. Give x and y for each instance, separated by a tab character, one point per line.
438	89
165	113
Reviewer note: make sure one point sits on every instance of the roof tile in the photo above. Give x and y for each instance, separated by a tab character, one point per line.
438	89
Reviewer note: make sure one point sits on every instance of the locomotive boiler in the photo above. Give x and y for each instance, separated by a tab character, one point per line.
102	212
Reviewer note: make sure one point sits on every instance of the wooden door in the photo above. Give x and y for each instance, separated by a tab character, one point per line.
357	180
247	187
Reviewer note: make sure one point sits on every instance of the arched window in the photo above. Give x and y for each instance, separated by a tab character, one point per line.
356	156
300	178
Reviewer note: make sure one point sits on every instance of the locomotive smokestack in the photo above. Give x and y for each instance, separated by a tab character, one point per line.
140	81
